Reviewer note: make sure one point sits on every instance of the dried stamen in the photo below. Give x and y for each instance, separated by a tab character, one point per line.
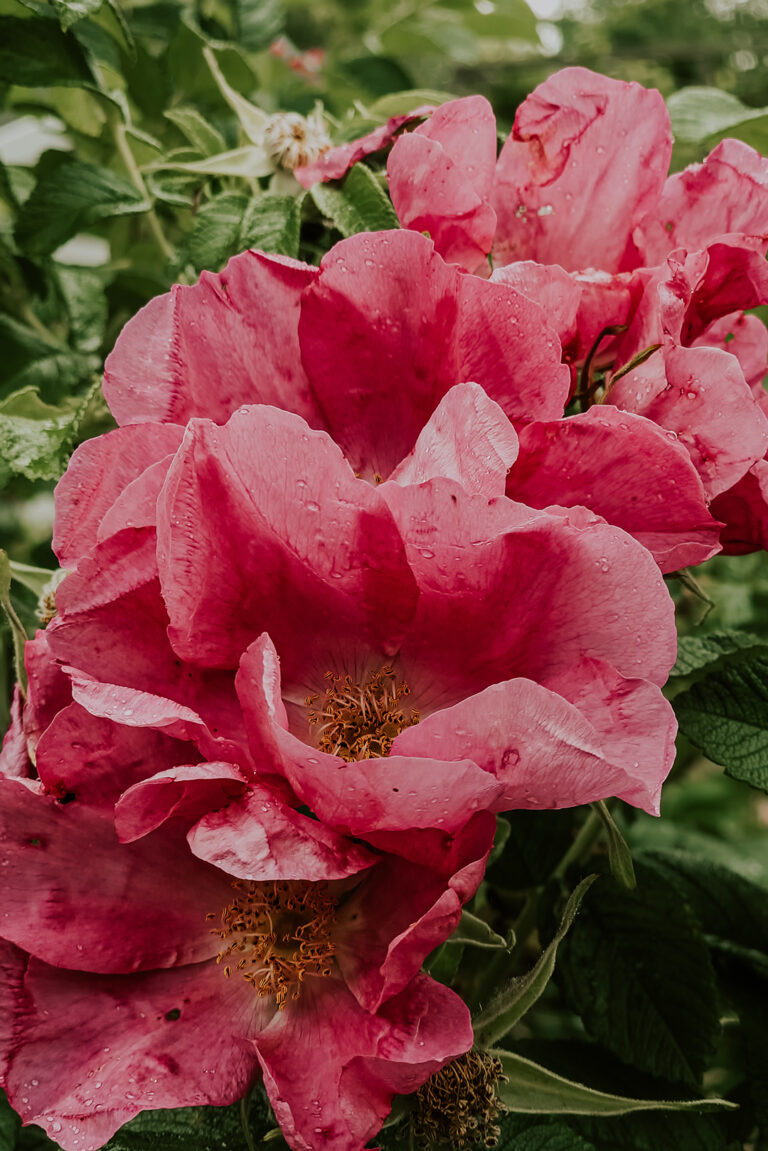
293	140
459	1106
276	934
360	720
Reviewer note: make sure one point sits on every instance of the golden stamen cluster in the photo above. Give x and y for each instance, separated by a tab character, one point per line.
459	1106
277	933
360	720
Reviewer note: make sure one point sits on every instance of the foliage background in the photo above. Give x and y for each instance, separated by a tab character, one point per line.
129	141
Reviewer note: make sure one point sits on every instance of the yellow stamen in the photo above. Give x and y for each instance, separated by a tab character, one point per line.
278	933
360	720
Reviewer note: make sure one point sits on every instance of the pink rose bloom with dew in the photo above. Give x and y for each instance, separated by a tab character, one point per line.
369	347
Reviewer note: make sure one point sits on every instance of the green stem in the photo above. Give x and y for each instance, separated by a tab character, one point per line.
124	148
244	1121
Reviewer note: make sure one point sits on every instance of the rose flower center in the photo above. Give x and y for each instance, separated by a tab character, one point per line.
277	933
360	720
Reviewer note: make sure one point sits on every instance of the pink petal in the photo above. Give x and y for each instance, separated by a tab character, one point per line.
726	193
744	509
48	689
403	910
549	285
586	161
336	162
746	338
95	760
13	966
494	603
467	438
136	506
66	874
701	395
388	328
207	349
546	751
432	194
339	1098
466	130
388	794
284	538
629	471
96	1050
258	837
184	792
99	470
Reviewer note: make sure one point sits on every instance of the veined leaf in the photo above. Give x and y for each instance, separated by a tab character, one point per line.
36	53
358	204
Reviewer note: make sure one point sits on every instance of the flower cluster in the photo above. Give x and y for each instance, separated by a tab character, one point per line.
351	575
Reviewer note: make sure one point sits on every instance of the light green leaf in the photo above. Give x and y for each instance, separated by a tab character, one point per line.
69	197
477	933
699	113
35	579
726	715
511	1004
36	53
197	130
84	296
272	223
535	1090
28	358
259	21
252	120
358	204
36	438
400	103
250	162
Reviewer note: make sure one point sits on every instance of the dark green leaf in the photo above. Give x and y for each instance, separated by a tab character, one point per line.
68	198
729	906
232	221
83	292
540	1137
726	715
534	1089
697	652
193	1129
476	933
28	359
619	855
359	204
654	1132
636	968
37	53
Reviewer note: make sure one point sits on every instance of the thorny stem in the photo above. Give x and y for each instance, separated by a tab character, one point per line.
124	148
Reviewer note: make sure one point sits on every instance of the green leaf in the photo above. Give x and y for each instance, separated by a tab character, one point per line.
619	855
697	652
700	113
534	1089
18	634
250	162
28	358
69	197
358	204
636	968
511	1004
36	438
232	221
540	1137
649	1131
726	715
33	578
197	130
259	22
273	223
85	301
70	11
36	53
400	103
194	1128
251	119
477	933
